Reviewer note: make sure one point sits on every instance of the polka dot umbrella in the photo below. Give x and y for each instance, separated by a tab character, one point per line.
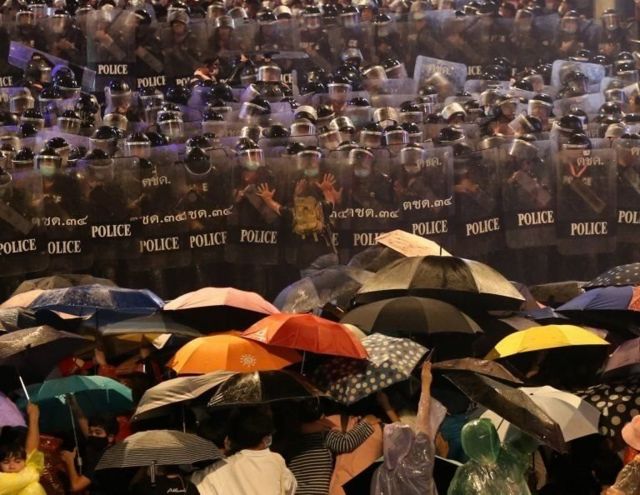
616	277
617	403
391	360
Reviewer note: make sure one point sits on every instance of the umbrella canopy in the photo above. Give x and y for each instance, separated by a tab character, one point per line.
34	352
617	403
147	327
95	395
618	276
263	387
391	360
406	316
306	333
91	299
544	337
513	405
159	447
625	360
410	244
230	352
479	366
61	281
10	415
159	400
557	293
22	300
576	417
605	299
219	308
321	287
462	282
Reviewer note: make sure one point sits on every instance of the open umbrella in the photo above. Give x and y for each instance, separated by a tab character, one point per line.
95	395
545	337
22	300
263	387
576	417
163	397
410	244
219	308
479	366
557	293
61	281
408	316
465	283
618	276
9	413
160	448
617	402
391	360
34	352
513	405
624	361
230	352
306	333
106	303
611	307
147	327
316	290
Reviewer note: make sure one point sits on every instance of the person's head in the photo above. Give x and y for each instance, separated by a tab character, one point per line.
102	431
12	451
310	411
480	441
249	428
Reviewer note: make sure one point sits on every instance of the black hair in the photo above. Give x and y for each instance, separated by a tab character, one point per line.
12	443
247	427
105	421
310	411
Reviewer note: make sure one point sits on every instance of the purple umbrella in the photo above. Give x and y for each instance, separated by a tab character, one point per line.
9	413
625	360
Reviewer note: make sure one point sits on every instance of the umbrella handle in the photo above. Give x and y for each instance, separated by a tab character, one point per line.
24	387
75	436
152	473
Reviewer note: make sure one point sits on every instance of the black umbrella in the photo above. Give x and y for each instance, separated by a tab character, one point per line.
61	281
263	387
406	316
512	404
465	283
617	277
159	447
491	369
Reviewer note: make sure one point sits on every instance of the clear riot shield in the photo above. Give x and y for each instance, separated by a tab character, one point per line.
486	36
112	189
423	187
282	35
528	193
586	212
149	61
562	68
628	174
110	45
447	77
253	225
22	243
589	103
477	203
64	38
65	220
183	48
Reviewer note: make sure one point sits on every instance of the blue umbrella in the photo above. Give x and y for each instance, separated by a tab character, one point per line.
106	304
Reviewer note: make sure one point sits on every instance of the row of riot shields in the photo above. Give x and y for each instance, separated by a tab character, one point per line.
169	213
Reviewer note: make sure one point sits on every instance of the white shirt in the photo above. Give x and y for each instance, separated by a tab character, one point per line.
249	472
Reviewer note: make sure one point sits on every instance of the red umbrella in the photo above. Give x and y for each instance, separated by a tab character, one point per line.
307	333
219	308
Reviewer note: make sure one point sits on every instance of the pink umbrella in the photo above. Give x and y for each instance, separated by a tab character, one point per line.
625	360
214	309
9	413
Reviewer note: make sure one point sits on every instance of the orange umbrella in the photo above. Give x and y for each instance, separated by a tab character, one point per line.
230	352
306	333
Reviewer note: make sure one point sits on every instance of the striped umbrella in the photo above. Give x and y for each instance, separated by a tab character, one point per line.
159	447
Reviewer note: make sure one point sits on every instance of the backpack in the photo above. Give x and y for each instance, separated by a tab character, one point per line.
308	216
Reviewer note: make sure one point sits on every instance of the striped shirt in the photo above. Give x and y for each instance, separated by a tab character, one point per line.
312	460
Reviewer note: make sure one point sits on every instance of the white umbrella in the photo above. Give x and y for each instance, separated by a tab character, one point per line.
576	417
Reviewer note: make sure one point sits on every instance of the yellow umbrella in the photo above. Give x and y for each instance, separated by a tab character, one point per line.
544	337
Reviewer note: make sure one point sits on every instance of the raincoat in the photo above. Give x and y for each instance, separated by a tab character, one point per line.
26	481
628	480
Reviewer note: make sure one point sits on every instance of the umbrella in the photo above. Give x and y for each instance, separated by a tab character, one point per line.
95	395
61	281
545	337
159	447
9	413
306	333
34	352
96	299
612	307
576	417
479	366
217	309
462	282
406	316
625	360
529	301
22	300
617	277
321	287
147	327
374	258
175	392
557	293
230	352
263	387
617	403
512	404
391	360
410	244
